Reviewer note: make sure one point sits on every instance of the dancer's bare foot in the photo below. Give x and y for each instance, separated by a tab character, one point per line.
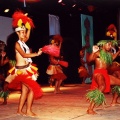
31	114
91	112
21	113
60	92
115	104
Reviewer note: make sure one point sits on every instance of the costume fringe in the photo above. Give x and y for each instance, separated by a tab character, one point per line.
96	96
27	80
116	89
4	94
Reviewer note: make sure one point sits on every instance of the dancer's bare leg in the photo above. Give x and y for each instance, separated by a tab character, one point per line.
5	88
117	74
5	101
90	109
29	104
56	86
22	100
101	86
114	81
114	100
59	84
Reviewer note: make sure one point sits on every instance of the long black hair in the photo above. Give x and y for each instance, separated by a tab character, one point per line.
11	40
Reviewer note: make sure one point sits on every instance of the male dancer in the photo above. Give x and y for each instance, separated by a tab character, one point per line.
101	81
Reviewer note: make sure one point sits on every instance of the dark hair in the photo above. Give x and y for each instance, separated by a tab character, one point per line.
11	40
108	38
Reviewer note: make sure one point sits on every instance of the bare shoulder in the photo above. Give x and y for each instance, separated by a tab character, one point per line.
17	45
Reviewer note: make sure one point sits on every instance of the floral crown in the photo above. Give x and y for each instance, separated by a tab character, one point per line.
21	21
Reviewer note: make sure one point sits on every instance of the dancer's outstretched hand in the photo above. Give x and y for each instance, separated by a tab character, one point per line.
40	51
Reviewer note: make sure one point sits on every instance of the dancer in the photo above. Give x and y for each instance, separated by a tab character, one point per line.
101	81
24	74
4	66
114	70
82	71
8	61
4	69
54	69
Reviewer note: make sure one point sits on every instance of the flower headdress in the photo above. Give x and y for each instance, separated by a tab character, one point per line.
21	21
57	39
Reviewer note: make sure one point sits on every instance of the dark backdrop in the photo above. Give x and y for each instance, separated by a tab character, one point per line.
71	33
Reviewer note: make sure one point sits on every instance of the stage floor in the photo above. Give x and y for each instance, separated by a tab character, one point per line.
70	105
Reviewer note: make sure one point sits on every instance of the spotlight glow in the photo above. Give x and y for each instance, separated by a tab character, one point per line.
59	1
6	10
74	5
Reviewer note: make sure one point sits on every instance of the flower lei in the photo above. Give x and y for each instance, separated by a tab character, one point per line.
106	56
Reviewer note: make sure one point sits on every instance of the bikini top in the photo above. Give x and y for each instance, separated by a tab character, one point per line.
26	49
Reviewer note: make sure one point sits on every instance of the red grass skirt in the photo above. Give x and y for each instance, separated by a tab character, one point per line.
27	80
94	85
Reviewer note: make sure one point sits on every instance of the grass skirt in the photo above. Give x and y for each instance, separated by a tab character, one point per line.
27	80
